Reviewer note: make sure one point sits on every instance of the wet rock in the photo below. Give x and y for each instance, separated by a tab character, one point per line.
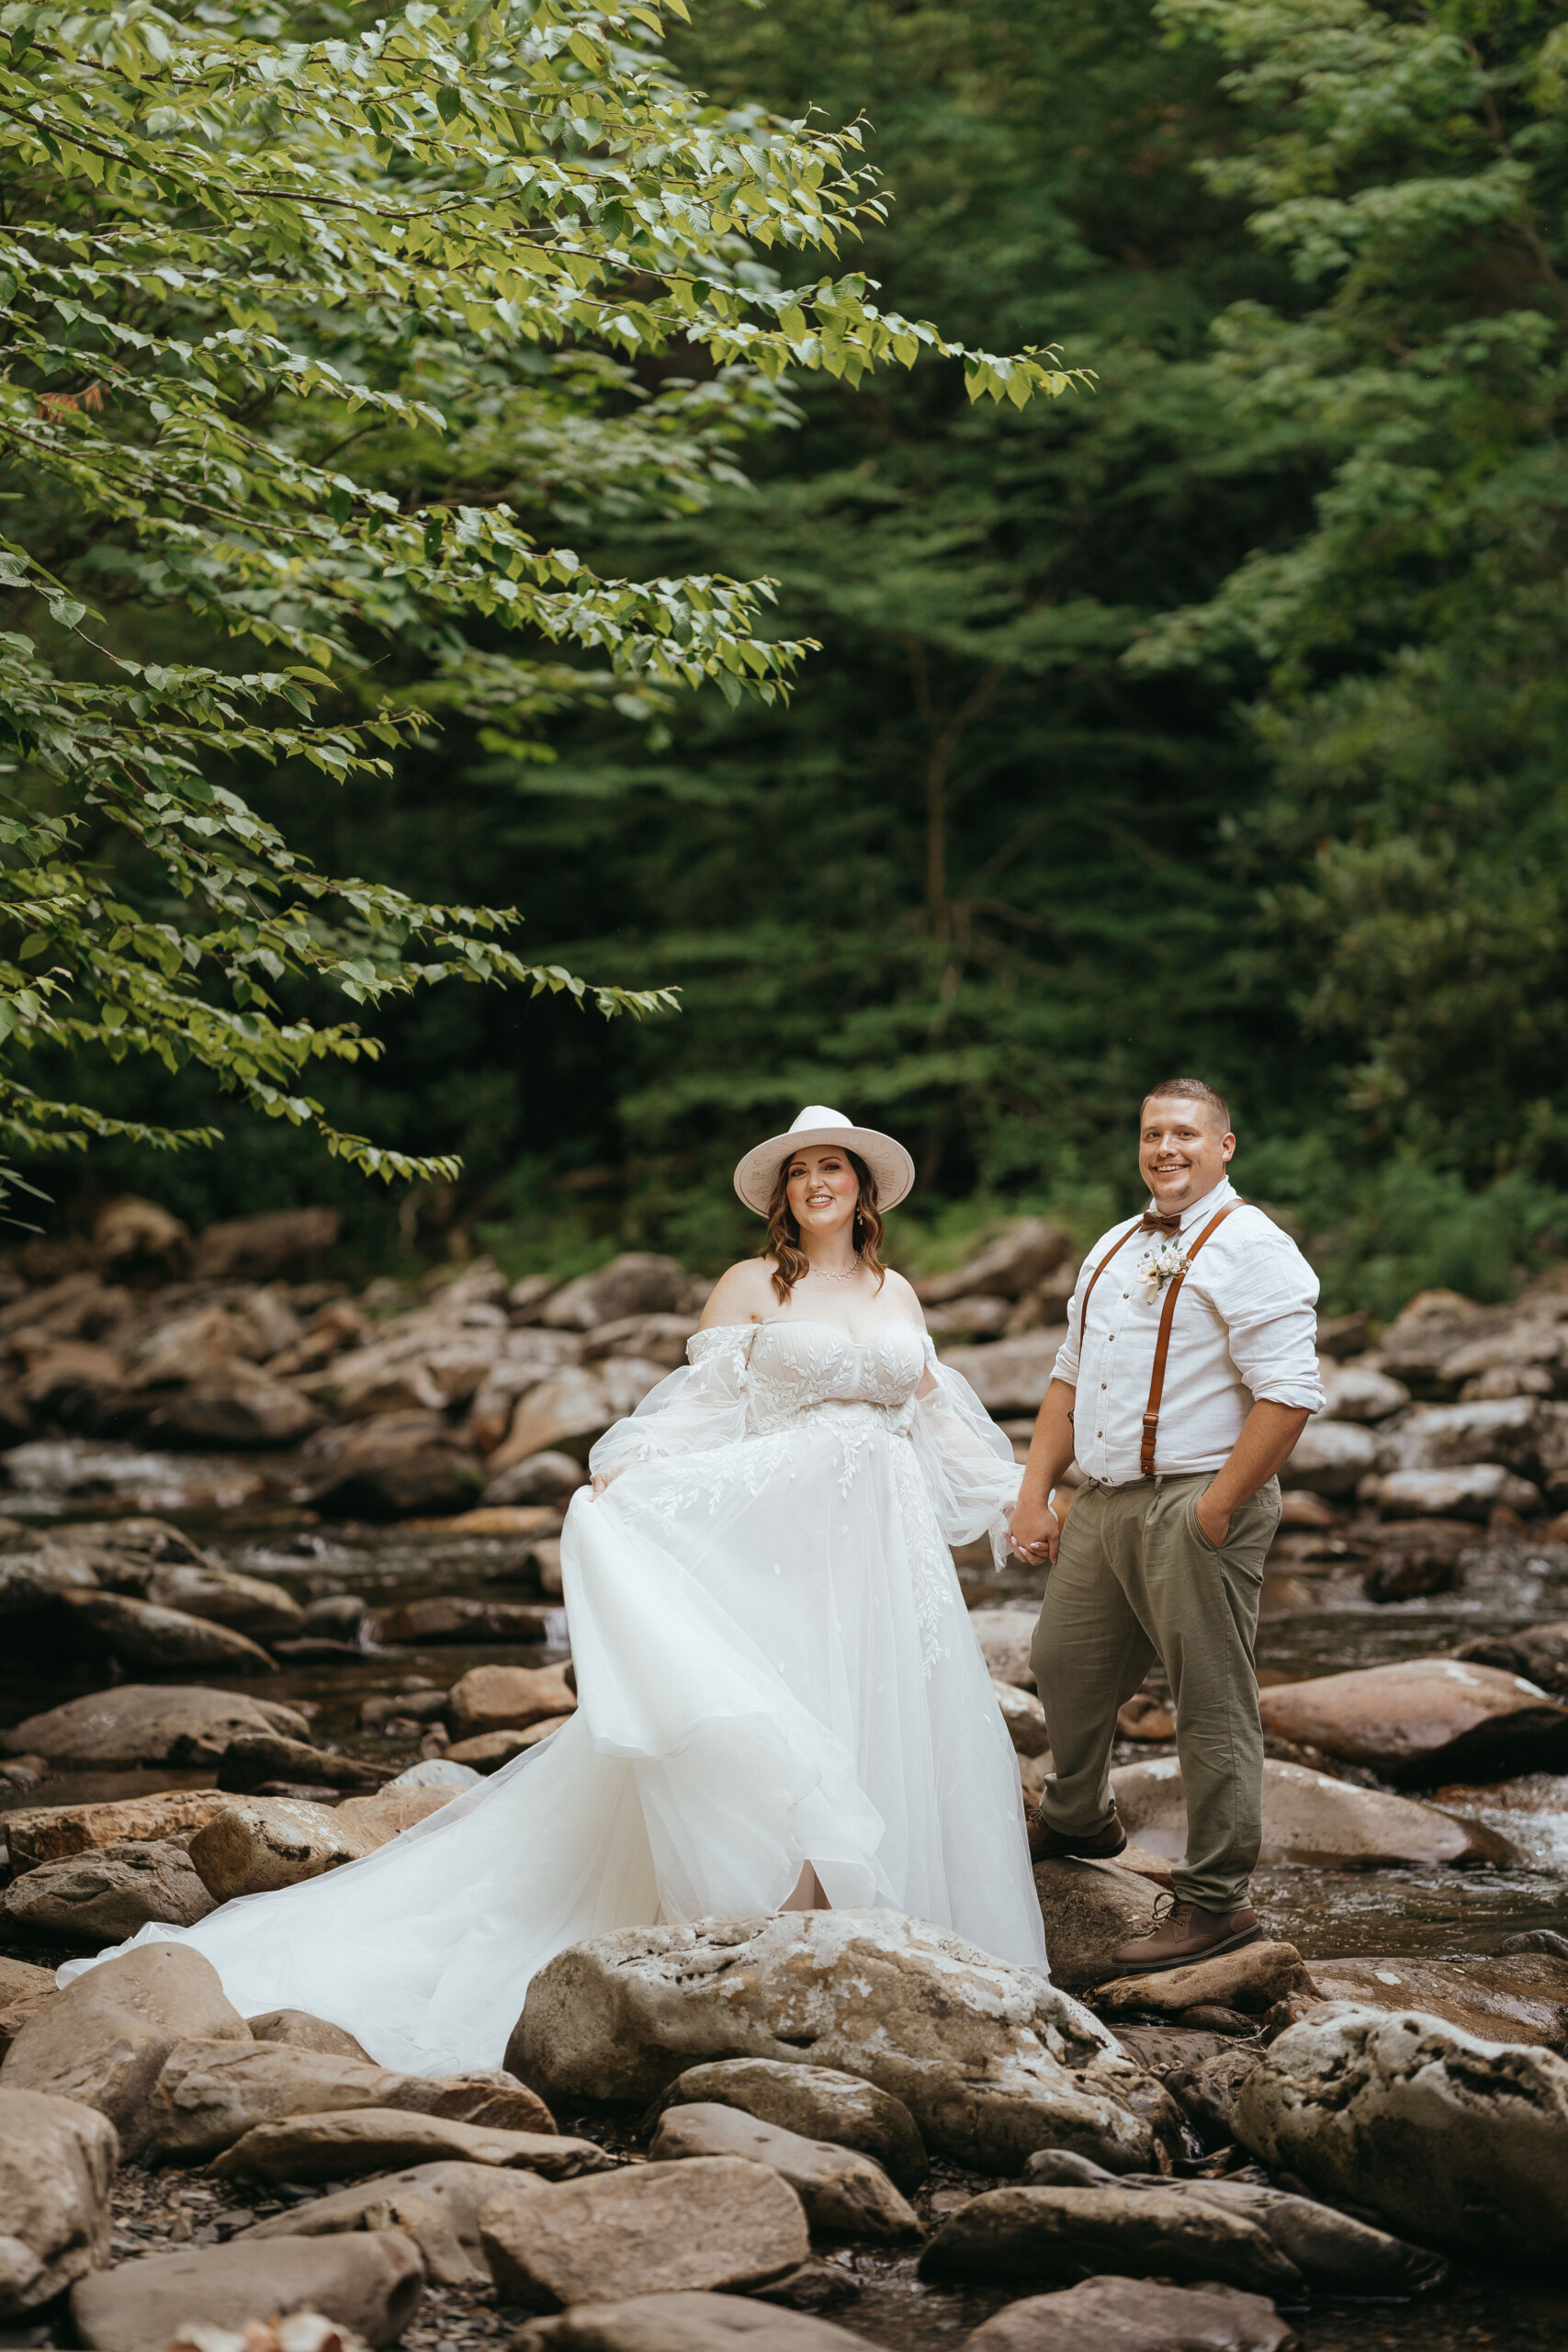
1331	1457
1013	1264
297	2030
1250	1981
24	1991
683	2323
167	1640
1359	1392
571	1409
1311	1821
50	1833
1043	2233
148	1724
1207	2093
208	2094
1544	1940
449	1618
280	1245
57	2167
1089	1908
269	1842
1011	1376
1538	1652
991	2061
107	1895
549	1477
715	2222
437	2206
345	2144
1460	2141
1517	1997
841	2190
816	2102
637	1282
1004	1635
508	1698
254	1759
371	2284
1134	2315
491	1749
1475	1493
1024	1717
238	1406
246	1604
1425	1719
105	2038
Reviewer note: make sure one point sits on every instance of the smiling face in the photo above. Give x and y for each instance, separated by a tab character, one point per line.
1183	1149
823	1189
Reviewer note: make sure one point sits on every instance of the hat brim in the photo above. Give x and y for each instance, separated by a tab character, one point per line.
892	1169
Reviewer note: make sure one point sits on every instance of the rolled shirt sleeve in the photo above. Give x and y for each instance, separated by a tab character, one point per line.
1267	1299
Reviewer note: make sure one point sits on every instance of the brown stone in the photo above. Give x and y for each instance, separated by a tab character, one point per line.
1009	1266
1135	2315
140	1634
57	2167
816	2102
1423	1719
637	1282
257	1758
437	2205
690	2323
208	2094
369	2285
842	2191
508	1698
24	1992
107	1895
1250	1979
489	1750
137	1722
1037	2233
297	2030
1515	1996
278	1245
1311	1821
346	2144
48	1833
572	1407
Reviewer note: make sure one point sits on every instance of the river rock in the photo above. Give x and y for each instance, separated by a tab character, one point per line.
508	1698
105	2038
1331	1457
1024	1717
139	1634
1427	1331
1009	1266
107	1895
57	2168
373	2285
489	1750
569	1410
1538	1652
300	2031
134	1235
1311	1821
637	1282
210	2094
449	1617
841	2190
1004	1635
438	2206
246	1604
990	2061
1043	2233
237	1406
1510	1431
348	2143
1359	1391
24	1992
683	2323
278	1245
252	1758
142	1722
267	1842
1207	2093
1474	1493
549	1477
1425	1719
1134	2315
1514	1997
1249	1981
1461	2143
384	1478
1089	1908
715	2222
818	2103
1011	1376
48	1833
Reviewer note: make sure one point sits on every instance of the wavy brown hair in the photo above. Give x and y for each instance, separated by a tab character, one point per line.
784	1235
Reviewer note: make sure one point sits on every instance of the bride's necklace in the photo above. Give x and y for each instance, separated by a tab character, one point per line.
819	1274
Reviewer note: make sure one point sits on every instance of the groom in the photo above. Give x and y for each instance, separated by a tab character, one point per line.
1189	1370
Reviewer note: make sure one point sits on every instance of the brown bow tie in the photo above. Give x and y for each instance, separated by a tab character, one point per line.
1153	1223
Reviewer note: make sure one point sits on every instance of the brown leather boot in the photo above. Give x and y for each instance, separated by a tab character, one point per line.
1048	1844
1181	1933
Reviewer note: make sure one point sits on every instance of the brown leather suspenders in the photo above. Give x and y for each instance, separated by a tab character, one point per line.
1162	1342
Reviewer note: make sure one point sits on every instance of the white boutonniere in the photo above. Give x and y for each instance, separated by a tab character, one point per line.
1161	1264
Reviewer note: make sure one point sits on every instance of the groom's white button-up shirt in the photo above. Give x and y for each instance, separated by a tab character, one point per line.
1245	1328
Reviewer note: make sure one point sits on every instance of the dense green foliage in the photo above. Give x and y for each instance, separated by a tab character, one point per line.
1206	719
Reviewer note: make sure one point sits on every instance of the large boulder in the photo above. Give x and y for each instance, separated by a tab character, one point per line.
136	1237
1458	2142
105	1896
1331	1456
841	2191
1431	1328
1009	1266
990	2061
1425	1719
399	1465
103	2041
1310	1821
1135	2315
818	2103
279	1245
57	2167
345	2144
142	1723
1089	1908
50	1833
1503	1996
508	1698
139	1634
371	2284
437	2205
715	2222
208	2094
1011	1375
637	1282
1473	1492
693	2322
569	1410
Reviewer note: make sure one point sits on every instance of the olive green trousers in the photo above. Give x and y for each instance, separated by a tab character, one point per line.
1137	1580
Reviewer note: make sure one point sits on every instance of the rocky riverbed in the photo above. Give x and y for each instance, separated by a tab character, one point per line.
269	1548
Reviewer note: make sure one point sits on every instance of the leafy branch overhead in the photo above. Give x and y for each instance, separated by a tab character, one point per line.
317	344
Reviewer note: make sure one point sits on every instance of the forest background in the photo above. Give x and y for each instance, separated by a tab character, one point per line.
1207	721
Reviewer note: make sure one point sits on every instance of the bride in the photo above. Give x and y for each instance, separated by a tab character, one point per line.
780	1702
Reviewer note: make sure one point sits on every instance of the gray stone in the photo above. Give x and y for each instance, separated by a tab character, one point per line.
841	2190
48	1833
1089	1908
1024	1717
1207	2092
990	2061
346	2144
637	1282
1006	1268
539	1478
437	2205
1134	2315
1508	1430
104	2039
105	1896
1330	1457
1004	1635
210	2094
248	1604
57	2167
1360	1392
371	2284
683	2323
141	1723
1310	1822
300	2031
715	2223
818	2102
1045	2234
572	1407
1461	2143
1474	1493
1011	1376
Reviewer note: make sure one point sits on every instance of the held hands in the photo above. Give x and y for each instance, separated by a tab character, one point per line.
1035	1531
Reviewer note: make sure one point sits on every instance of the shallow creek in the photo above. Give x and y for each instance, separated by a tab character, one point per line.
242	1510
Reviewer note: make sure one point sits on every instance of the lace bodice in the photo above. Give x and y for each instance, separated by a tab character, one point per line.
790	1368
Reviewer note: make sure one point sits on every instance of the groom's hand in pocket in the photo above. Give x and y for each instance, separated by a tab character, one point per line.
1214	1522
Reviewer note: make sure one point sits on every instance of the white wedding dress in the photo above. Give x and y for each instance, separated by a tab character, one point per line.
774	1667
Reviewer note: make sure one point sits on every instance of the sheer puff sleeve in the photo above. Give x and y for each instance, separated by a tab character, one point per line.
967	1463
701	1405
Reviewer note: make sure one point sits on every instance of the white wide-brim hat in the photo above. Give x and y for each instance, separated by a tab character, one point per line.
893	1170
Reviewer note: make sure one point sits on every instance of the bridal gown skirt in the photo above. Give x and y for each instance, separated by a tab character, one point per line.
774	1667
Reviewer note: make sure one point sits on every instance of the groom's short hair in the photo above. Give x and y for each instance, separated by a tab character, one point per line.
1192	1090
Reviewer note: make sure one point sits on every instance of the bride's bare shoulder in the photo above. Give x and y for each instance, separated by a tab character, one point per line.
902	1295
744	1294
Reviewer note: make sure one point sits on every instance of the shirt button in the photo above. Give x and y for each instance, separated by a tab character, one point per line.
1105	1384
1113	1339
